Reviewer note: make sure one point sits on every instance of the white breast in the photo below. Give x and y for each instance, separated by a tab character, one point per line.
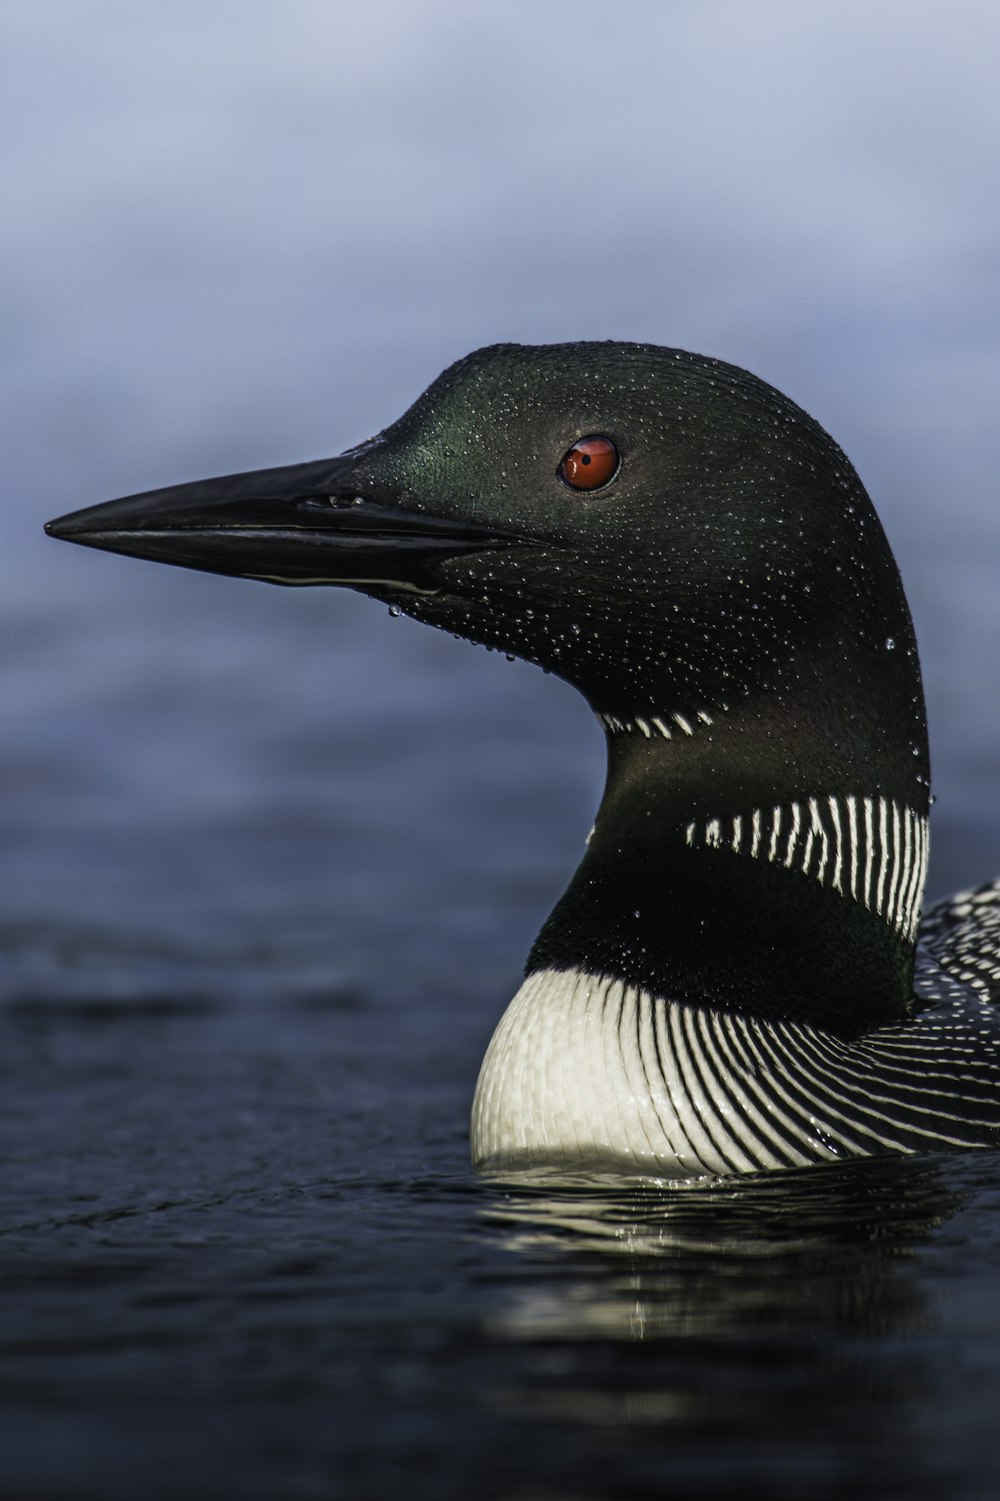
585	1072
590	1072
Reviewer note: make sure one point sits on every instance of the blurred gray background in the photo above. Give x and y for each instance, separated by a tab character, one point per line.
242	234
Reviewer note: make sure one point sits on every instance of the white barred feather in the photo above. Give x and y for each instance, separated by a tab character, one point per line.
585	1071
870	849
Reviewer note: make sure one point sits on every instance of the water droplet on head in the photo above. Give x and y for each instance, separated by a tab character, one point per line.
890	643
395	611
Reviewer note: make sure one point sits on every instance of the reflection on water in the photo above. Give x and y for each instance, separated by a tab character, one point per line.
871	1199
760	1327
656	1261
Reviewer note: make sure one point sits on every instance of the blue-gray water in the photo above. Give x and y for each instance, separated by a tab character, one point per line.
271	860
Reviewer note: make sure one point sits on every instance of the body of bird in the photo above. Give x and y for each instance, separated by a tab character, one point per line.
738	976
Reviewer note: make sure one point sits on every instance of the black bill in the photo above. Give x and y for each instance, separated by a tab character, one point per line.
302	524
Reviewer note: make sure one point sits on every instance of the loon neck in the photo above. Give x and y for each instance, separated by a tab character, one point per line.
762	857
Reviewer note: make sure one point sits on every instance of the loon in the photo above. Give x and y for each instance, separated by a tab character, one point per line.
738	976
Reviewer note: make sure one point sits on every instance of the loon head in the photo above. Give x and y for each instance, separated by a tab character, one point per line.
698	557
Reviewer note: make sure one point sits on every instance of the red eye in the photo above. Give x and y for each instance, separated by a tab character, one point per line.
590	463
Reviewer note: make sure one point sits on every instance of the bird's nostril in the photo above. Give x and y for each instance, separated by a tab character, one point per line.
327	502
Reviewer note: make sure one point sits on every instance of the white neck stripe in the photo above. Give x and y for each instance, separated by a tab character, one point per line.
884	853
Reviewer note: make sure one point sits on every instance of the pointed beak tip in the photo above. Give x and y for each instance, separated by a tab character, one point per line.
68	528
